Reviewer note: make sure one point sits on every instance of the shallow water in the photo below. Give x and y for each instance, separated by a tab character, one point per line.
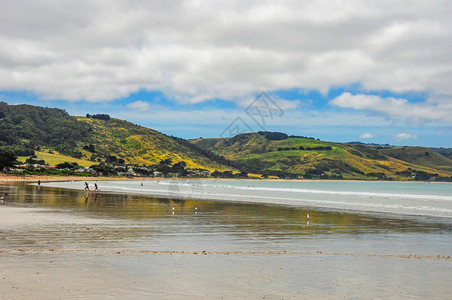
411	198
137	246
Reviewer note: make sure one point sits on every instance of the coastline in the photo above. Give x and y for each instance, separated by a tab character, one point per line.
415	198
51	178
46	178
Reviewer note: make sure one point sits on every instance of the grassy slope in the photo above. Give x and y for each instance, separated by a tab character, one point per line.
140	145
421	156
134	144
343	158
56	158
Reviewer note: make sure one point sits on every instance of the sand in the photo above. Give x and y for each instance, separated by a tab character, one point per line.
53	245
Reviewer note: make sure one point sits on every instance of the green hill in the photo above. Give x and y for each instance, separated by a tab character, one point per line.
138	145
55	136
420	156
285	156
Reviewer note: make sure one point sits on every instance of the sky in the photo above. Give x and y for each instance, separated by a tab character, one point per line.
369	71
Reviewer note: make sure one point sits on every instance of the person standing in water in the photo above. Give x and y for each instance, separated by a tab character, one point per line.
86	186
39	185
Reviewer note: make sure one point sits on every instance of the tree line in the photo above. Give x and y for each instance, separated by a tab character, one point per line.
104	117
327	148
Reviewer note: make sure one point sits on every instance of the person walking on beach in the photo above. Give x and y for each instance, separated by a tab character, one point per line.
86	186
96	188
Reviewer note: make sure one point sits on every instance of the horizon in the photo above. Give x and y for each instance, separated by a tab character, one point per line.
338	72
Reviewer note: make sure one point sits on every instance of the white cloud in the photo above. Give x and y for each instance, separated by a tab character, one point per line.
197	50
139	106
396	107
273	101
405	136
286	105
366	136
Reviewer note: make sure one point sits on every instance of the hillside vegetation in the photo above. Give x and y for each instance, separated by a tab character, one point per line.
420	156
138	145
54	136
295	156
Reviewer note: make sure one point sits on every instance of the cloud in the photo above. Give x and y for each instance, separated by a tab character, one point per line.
366	136
139	106
198	50
405	136
271	100
286	104
396	107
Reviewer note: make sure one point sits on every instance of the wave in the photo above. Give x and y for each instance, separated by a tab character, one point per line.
346	193
309	191
410	204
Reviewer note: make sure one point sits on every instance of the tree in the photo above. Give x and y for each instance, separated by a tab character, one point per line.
275	136
7	159
101	117
111	159
167	161
90	148
242	174
179	167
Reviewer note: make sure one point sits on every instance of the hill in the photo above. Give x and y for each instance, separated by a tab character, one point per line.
138	145
420	156
54	136
286	156
447	152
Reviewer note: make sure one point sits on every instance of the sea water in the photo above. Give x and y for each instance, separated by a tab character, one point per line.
410	198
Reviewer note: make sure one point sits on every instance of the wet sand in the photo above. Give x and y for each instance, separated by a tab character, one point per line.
215	277
56	244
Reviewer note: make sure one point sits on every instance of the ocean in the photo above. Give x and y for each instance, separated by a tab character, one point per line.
409	198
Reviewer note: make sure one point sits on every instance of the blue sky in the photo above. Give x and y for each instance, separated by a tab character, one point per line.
311	114
342	71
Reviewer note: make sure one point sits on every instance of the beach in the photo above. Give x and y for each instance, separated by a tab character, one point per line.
66	243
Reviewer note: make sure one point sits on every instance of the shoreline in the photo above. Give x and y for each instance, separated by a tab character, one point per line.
329	196
5	178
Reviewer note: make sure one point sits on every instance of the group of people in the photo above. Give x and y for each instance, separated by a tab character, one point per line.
96	187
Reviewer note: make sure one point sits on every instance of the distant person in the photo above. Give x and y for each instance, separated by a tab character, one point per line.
86	186
39	185
96	188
